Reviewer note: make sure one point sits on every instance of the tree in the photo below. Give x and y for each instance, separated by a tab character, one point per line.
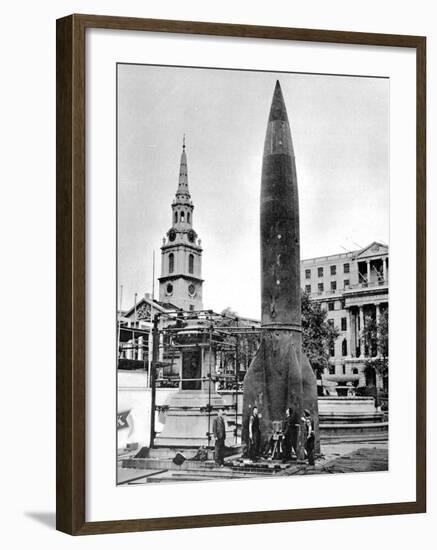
240	348
375	336
318	335
228	312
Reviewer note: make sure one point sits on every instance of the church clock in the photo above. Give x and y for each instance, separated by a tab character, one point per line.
191	289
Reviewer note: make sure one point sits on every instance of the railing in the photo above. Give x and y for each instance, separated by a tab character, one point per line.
365	284
357	286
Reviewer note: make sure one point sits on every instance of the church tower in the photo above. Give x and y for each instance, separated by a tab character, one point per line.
181	252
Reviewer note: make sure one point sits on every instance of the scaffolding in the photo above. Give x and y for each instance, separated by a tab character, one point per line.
227	343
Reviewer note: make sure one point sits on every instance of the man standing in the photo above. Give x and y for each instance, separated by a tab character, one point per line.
219	431
287	430
254	434
310	437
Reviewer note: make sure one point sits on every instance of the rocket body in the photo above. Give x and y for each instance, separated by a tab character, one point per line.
274	380
280	239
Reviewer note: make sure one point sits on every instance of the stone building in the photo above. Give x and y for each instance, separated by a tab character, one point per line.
181	252
352	287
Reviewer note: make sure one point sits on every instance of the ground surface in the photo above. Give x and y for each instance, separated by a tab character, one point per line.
336	458
347	458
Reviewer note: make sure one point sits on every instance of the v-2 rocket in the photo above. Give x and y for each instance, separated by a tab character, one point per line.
279	376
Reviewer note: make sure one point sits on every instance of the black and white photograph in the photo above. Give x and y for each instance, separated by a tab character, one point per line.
220	217
252	274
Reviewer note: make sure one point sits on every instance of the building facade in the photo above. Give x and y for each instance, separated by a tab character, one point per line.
181	251
352	287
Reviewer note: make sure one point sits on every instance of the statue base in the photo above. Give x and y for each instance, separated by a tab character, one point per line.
187	421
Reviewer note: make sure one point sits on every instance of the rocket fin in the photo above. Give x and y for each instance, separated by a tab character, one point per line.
309	385
273	382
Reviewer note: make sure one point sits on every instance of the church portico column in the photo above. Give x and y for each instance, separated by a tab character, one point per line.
129	349
140	348
368	271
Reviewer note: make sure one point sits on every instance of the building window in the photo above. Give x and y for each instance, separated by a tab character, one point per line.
188	217
333	285
331	369
332	349
320	271
176	217
333	269
307	273
344	347
344	369
171	262
346	268
308	289
191	307
320	287
346	283
169	289
191	263
330	306
343	323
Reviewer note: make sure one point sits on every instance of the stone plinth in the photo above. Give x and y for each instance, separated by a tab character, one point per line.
351	418
187	421
334	405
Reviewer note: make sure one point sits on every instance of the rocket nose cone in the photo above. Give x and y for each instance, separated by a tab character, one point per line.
278	110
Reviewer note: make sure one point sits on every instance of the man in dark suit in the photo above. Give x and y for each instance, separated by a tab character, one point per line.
309	436
254	435
287	430
219	431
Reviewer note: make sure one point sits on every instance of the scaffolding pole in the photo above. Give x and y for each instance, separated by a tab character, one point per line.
209	387
153	378
237	357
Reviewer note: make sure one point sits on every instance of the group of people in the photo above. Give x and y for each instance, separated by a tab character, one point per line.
288	437
285	441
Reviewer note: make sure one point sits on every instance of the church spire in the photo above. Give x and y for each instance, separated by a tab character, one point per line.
180	283
183	191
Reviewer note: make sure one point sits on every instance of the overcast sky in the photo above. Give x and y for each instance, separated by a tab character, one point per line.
339	127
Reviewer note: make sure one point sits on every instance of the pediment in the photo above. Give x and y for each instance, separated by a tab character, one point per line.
374	249
142	311
143	308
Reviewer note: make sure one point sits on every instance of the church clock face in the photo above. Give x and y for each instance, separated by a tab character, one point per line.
191	289
191	236
172	235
